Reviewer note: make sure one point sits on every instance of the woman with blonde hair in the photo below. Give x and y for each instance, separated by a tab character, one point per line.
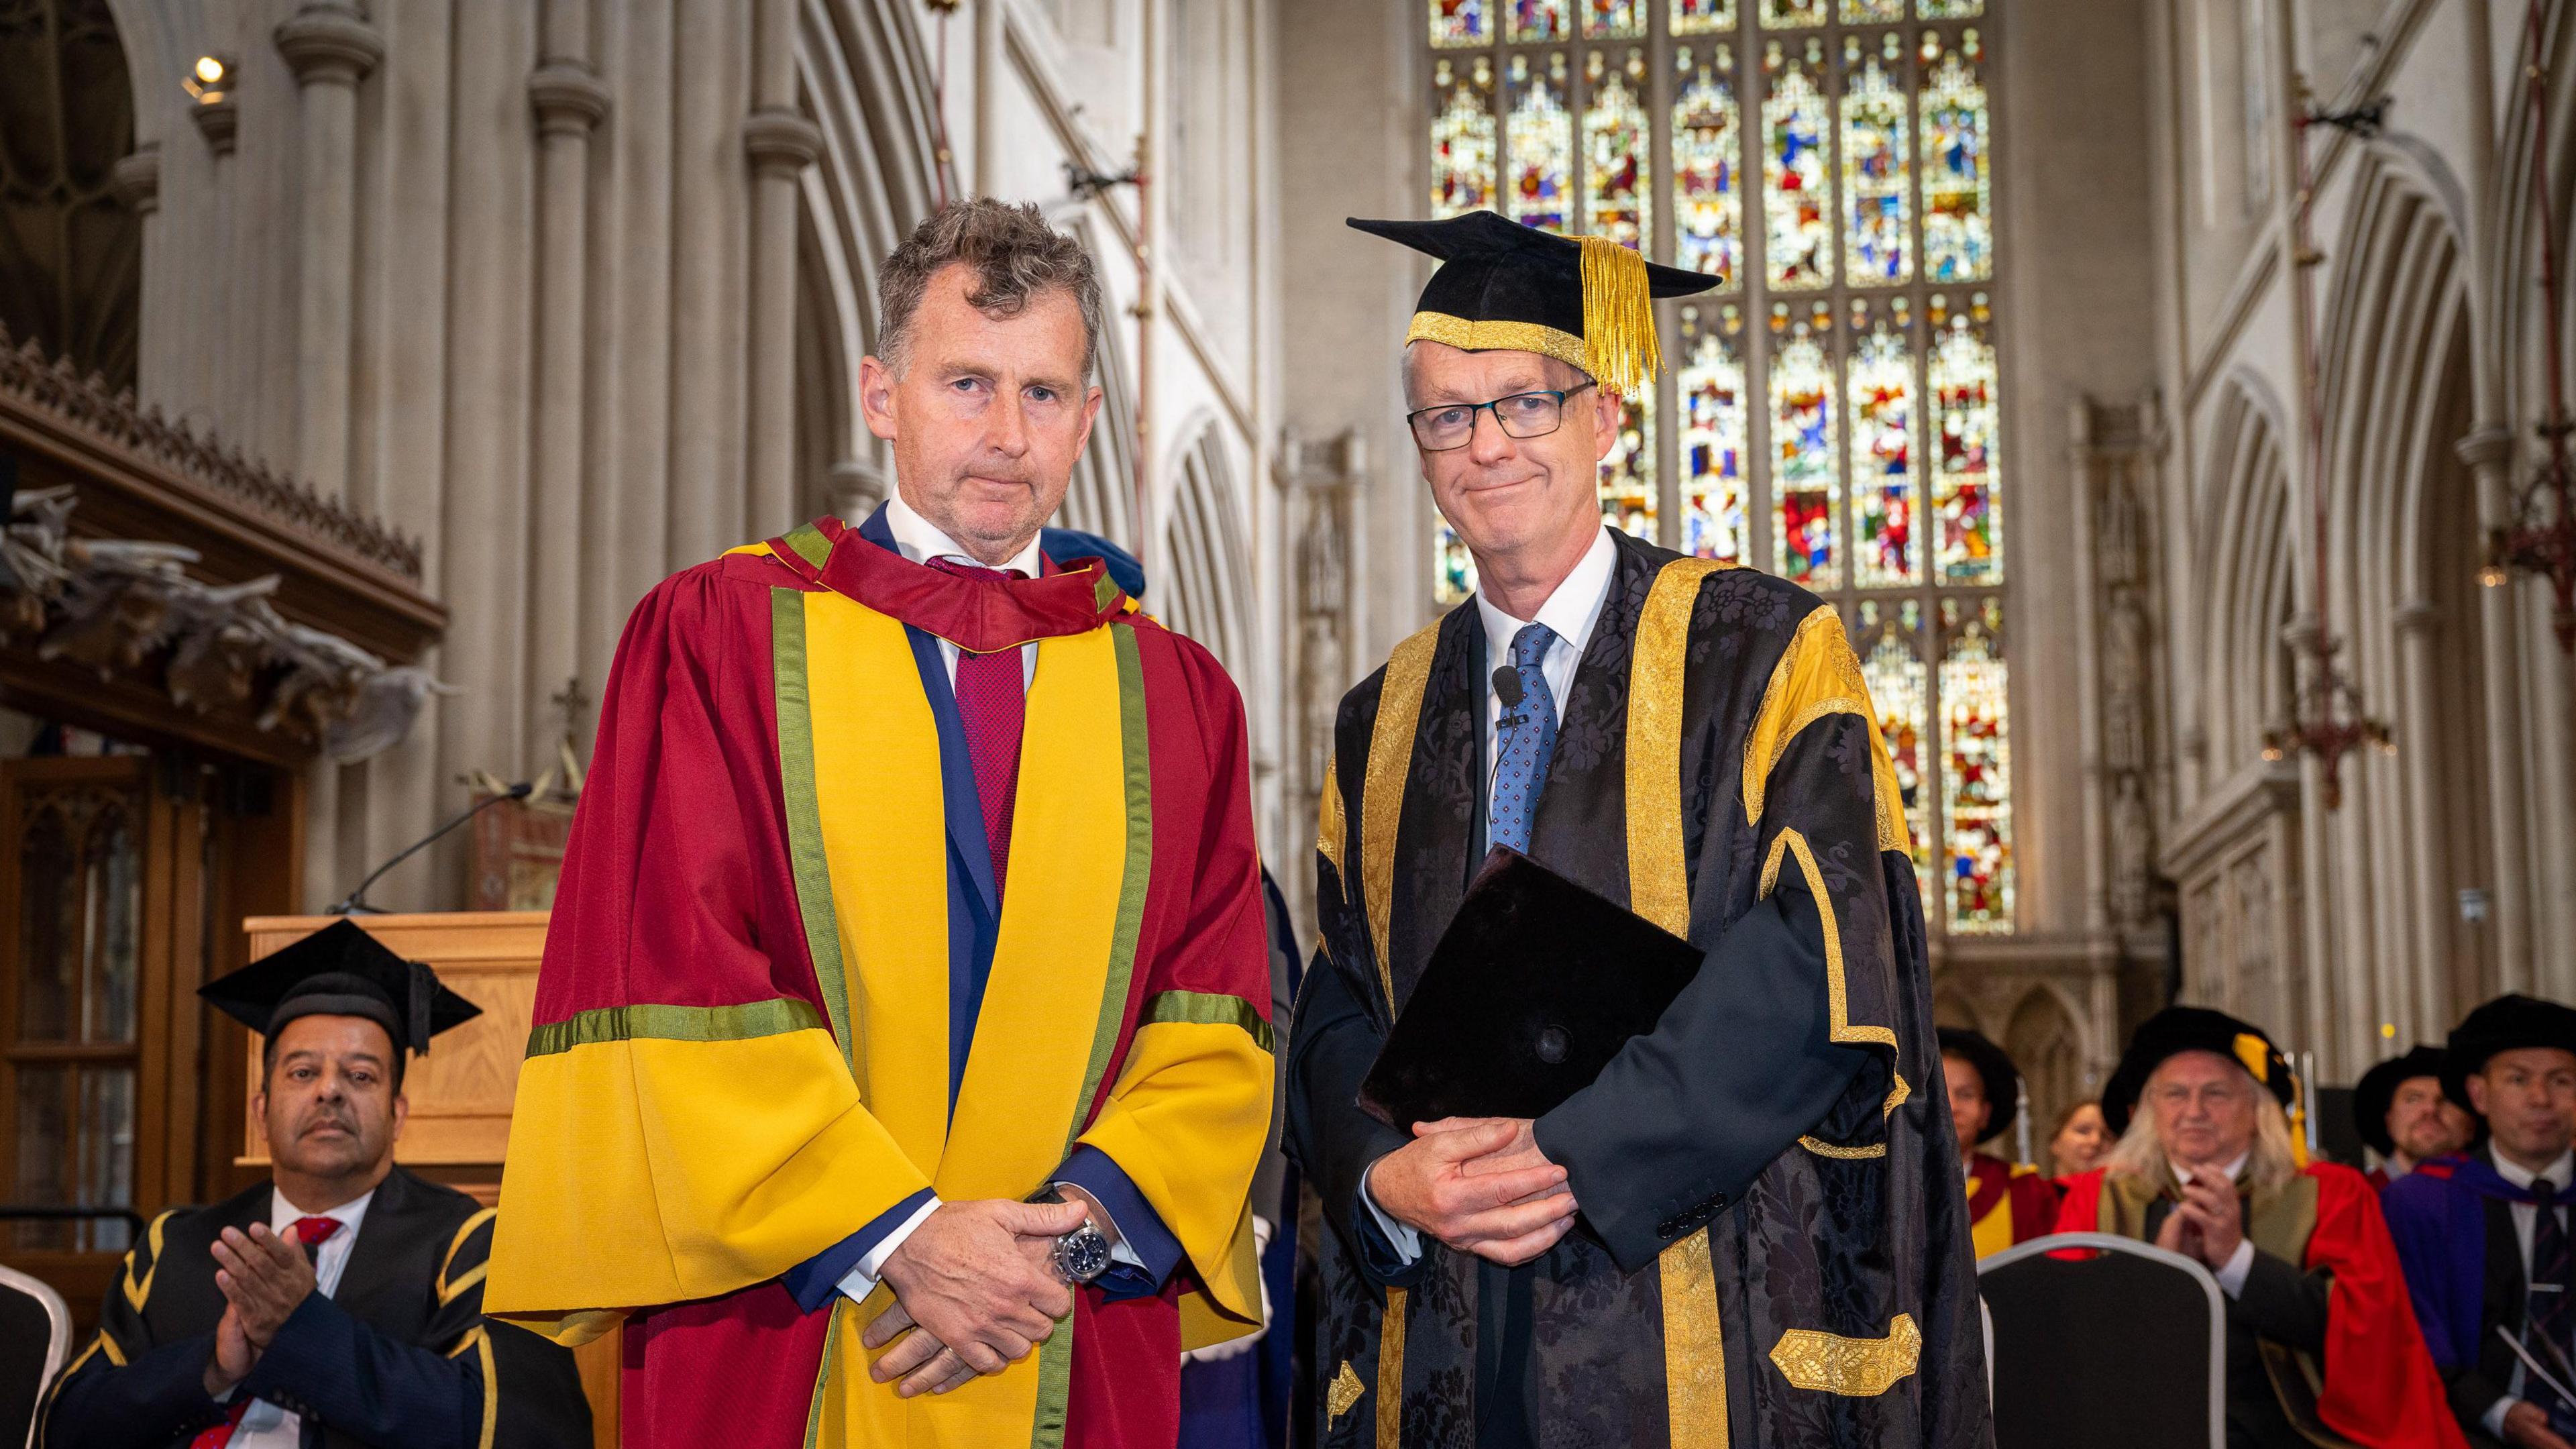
2322	1344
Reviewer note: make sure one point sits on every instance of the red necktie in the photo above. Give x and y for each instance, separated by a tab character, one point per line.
312	1233
992	704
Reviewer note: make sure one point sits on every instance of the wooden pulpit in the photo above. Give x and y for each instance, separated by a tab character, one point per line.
460	1093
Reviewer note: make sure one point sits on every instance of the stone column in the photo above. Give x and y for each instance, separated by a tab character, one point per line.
137	182
2427	991
780	143
330	46
2489	453
568	101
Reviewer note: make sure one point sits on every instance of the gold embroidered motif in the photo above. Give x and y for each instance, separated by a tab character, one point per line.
1496	336
1390	1370
1399	710
1329	830
1694	1346
1822	1148
1658	876
1819	675
1341	1393
1858	1368
1838	1026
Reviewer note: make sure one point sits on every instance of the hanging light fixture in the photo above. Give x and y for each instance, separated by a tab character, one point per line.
2538	536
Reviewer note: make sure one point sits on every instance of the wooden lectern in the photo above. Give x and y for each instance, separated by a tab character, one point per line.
459	1129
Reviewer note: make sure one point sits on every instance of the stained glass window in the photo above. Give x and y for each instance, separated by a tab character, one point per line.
1536	20
1806	476
1965	472
1616	176
1958	227
1628	473
1539	141
1708	201
1703	17
1462	136
1876	165
1711	385
1884	491
1831	411
1889	640
1459	22
1797	192
1614	19
1976	765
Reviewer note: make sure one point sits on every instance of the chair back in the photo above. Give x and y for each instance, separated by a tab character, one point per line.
2123	1347
35	1334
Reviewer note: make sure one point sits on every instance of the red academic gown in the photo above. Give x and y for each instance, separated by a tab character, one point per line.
2007	1204
2379	1388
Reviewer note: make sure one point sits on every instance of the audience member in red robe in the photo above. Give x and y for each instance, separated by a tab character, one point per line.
2008	1202
2322	1344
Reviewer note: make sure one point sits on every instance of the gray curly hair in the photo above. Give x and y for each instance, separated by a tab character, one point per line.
1015	256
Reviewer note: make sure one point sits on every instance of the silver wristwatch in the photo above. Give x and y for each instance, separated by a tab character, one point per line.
1079	1256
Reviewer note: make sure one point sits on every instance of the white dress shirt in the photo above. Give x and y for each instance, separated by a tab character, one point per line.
921	540
1570	613
2526	1220
266	1426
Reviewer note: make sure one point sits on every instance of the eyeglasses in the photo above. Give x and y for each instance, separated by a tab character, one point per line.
1522	415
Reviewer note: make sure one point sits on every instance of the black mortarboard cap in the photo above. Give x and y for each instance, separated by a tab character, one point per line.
2377	1091
2002	1078
341	970
1585	301
2179	1029
2502	1025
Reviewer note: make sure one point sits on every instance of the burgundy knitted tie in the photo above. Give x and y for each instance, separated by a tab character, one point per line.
992	703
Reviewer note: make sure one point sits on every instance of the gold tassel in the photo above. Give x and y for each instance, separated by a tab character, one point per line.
1618	317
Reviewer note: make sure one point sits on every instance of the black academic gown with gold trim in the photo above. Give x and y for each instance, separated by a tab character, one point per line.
1773	1247
399	1356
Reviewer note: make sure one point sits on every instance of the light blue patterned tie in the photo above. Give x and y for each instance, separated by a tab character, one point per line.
1525	743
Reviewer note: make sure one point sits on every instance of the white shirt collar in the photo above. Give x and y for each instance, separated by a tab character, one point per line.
921	540
282	1214
2185	1174
2520	1176
1570	612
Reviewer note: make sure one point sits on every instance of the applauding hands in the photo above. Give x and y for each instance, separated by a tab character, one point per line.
263	1277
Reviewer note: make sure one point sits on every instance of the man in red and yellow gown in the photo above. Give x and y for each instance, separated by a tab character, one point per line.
902	1052
2008	1202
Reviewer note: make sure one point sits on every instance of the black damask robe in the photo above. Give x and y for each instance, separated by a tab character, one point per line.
1773	1247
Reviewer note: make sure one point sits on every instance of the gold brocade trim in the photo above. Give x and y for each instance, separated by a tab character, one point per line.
1694	1346
1498	336
1344	1391
1896	1096
1330	831
1838	1026
136	1291
1390	1370
1858	1368
447	1291
1399	710
1822	1148
1819	675
1658	876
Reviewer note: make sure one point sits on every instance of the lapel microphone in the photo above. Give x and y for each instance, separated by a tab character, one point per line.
1507	686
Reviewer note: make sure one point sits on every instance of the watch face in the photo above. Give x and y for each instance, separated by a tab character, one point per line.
1082	1255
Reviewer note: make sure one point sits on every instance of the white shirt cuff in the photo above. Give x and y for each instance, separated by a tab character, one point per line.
861	1280
2494	1419
2239	1263
1408	1243
1121	1253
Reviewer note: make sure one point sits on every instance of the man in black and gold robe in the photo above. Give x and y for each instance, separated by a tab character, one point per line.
1749	1230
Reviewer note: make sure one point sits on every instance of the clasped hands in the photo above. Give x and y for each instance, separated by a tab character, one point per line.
2207	1223
975	1292
263	1277
1479	1185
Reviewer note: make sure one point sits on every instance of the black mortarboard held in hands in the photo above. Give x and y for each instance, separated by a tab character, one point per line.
340	970
2178	1029
2002	1078
1586	301
2376	1092
2505	1024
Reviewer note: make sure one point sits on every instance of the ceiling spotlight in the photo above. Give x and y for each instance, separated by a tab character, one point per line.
209	80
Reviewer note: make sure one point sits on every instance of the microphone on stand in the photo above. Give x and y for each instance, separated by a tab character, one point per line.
355	902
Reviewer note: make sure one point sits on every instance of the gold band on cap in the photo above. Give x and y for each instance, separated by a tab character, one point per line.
1500	336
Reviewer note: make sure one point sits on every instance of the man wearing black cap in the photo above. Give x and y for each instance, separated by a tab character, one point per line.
2008	1202
340	1303
2484	1235
2321	1346
2401	1111
1753	1216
